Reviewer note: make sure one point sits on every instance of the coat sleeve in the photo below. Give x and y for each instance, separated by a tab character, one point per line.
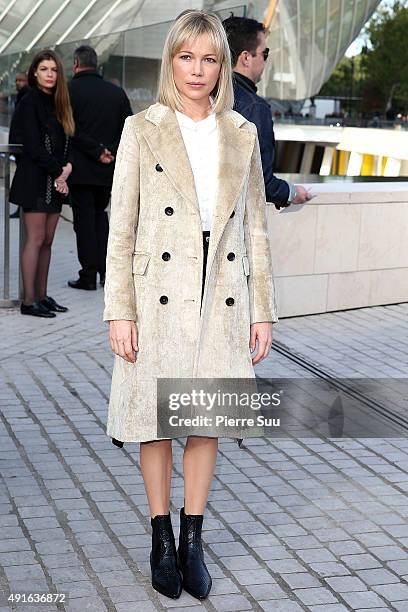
277	190
260	281
125	112
33	142
119	289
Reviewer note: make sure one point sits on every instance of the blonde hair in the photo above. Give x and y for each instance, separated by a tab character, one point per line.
189	25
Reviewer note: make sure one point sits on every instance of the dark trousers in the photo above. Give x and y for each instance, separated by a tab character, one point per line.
91	227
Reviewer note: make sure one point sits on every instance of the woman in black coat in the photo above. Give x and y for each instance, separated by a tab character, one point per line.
40	183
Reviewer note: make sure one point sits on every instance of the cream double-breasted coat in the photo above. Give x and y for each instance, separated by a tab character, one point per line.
155	211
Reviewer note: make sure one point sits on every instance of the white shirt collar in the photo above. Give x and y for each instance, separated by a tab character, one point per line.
204	125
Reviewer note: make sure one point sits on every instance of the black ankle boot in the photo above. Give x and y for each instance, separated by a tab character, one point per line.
196	578
166	577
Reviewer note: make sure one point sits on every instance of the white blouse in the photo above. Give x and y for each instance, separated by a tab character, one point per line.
201	141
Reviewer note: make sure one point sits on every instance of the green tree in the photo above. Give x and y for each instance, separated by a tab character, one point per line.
384	59
380	73
346	82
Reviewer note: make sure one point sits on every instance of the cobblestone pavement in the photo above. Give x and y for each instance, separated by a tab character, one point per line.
291	525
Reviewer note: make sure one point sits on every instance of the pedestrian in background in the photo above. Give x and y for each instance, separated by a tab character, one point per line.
16	129
100	109
40	182
189	288
247	42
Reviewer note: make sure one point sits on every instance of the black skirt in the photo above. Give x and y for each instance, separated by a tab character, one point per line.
206	241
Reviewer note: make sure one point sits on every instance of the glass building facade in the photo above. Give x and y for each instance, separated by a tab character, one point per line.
307	38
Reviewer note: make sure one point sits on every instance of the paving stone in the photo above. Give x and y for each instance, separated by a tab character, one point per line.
230	602
344	584
79	604
266	591
392	592
304	580
400	567
78	589
228	549
147	607
363	599
223	586
316	595
22	572
388	553
377	576
357	562
121	594
284	605
285	566
255	576
337	607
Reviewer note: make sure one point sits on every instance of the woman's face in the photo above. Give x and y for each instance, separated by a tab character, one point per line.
46	75
196	69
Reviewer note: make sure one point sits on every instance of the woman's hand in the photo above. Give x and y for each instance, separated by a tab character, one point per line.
123	339
66	171
61	186
263	333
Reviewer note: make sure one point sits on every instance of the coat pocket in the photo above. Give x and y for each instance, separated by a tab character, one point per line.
245	264
140	262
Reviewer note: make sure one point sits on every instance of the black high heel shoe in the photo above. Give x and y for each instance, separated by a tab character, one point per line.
196	577
166	577
49	303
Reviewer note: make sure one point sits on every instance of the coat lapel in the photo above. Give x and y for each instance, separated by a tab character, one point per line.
167	145
235	149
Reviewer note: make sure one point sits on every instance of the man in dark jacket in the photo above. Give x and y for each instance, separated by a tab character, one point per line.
247	41
16	130
100	109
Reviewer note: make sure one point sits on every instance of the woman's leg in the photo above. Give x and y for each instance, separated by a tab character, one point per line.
34	224
199	459
156	463
45	255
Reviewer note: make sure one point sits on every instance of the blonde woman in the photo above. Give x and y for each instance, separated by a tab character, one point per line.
189	289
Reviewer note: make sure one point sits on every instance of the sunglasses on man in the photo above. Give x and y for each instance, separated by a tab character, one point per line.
265	54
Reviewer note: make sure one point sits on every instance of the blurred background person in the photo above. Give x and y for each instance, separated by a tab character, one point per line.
247	42
15	132
39	185
100	109
21	86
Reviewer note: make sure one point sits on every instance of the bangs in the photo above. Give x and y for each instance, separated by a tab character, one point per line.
190	25
198	30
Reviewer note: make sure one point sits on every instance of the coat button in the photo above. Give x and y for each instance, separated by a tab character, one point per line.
164	299
169	211
231	256
159	168
166	256
230	301
232	214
